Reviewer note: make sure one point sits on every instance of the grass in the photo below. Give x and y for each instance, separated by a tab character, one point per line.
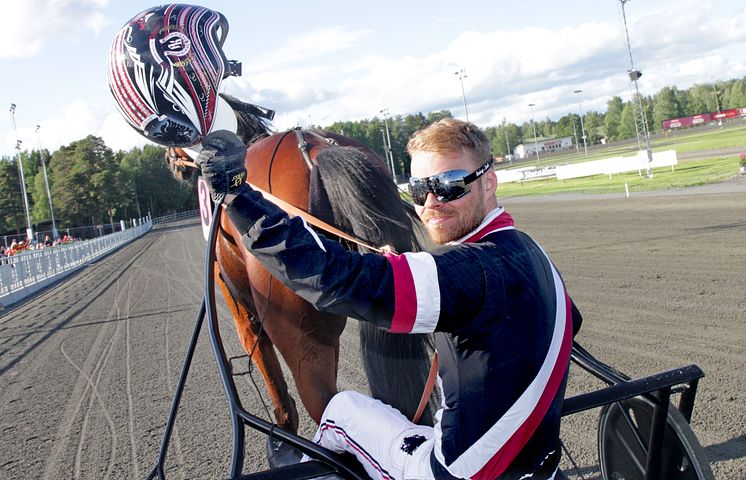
691	173
692	142
682	141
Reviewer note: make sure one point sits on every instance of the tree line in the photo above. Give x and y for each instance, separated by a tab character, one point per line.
90	185
617	123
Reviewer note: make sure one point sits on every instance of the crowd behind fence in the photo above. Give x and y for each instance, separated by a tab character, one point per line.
28	271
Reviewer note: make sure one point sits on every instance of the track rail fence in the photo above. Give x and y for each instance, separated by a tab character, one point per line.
25	273
175	217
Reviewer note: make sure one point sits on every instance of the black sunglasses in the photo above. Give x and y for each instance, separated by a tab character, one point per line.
446	186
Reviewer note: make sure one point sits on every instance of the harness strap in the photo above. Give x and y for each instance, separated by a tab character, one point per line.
316	222
304	148
428	390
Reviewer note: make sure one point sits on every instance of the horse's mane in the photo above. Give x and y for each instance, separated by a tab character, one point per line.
365	201
364	198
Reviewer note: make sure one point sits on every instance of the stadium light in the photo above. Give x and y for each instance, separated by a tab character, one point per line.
461	74
533	127
387	143
582	125
641	122
55	235
29	230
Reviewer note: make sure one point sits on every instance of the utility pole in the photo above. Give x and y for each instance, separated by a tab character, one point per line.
533	127
29	230
641	123
55	235
582	125
507	144
575	133
461	74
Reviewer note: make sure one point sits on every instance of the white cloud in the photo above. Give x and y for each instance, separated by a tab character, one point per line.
117	133
507	69
332	74
31	24
75	121
300	48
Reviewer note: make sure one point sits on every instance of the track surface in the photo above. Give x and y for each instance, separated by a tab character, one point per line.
88	367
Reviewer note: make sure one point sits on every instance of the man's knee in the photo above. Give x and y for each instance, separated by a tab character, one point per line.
348	400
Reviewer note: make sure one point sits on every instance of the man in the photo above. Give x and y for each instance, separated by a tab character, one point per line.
503	319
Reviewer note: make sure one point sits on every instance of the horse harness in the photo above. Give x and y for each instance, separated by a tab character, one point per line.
304	147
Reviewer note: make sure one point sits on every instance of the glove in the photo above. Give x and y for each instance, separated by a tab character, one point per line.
222	163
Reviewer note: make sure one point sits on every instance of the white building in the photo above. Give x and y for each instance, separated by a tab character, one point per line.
545	146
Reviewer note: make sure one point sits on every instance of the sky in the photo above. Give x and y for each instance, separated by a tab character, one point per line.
320	62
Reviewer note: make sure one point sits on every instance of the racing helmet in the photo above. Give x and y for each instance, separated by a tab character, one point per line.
164	70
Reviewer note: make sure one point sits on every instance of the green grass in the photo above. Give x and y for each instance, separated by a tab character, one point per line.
730	137
682	141
699	172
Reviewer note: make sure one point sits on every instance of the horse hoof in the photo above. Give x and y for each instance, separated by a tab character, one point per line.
280	454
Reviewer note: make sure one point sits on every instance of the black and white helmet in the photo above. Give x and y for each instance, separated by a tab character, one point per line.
165	68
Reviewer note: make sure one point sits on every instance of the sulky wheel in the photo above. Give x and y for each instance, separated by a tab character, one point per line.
622	443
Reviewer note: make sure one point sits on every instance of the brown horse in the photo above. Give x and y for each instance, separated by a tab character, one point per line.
350	188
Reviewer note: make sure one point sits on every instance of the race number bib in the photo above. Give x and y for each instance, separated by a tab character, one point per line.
205	206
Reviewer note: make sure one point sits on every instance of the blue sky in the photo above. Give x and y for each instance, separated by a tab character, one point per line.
318	62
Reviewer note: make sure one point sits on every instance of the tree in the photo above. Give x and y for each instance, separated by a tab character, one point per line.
735	95
149	186
665	107
593	122
626	122
699	99
40	211
11	204
84	182
613	118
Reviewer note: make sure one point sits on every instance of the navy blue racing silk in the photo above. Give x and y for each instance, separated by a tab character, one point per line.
503	320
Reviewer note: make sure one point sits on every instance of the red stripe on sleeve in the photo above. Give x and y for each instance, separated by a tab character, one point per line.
405	296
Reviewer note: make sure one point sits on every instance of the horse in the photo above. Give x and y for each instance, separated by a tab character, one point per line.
351	189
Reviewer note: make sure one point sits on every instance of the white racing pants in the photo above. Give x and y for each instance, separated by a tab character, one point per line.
386	443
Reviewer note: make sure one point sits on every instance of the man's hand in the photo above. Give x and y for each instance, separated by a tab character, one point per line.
222	163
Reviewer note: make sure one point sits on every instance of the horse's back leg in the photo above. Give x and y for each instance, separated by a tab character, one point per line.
257	343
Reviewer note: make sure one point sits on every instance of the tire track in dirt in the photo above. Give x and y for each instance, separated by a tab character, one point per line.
184	291
94	394
66	431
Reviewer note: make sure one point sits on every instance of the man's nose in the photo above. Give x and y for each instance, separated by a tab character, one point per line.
432	201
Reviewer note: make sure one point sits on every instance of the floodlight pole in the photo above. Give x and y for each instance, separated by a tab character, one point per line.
387	143
29	230
55	235
461	74
533	127
640	120
507	144
582	125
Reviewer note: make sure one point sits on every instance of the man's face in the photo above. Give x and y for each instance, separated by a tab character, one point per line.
446	222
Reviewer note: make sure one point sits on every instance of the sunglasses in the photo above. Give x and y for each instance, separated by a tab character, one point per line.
446	186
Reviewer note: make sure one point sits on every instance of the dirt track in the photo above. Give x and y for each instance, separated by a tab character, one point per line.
87	367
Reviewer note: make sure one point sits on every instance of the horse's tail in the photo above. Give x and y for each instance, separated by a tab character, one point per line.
365	201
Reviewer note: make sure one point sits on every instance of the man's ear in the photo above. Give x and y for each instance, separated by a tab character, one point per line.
490	182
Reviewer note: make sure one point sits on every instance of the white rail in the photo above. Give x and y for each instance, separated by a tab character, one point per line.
23	274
